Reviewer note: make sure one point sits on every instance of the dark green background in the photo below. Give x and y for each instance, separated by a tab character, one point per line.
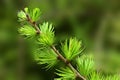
95	22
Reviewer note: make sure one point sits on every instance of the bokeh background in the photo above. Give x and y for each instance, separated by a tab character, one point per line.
95	22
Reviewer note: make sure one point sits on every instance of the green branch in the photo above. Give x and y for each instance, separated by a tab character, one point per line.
56	51
48	55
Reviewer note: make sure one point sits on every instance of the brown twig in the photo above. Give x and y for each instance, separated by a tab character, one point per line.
57	52
68	64
33	23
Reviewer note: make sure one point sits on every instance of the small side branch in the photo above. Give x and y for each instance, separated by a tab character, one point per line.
33	23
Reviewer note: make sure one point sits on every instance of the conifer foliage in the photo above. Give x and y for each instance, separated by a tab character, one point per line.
47	54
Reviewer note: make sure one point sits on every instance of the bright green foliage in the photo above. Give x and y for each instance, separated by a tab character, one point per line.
95	76
47	34
21	16
26	10
46	56
71	48
34	14
27	31
85	64
113	77
66	74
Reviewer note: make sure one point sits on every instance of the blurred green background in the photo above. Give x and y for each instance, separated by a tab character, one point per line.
95	22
